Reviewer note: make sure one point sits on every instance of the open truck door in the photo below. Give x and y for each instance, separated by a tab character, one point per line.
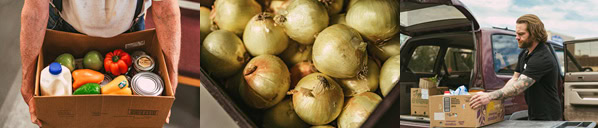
581	80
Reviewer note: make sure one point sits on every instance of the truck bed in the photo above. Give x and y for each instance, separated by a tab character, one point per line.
410	121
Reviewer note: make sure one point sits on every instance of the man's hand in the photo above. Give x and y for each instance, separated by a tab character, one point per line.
479	99
34	19
515	86
167	17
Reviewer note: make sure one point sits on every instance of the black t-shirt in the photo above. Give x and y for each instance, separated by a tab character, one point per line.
542	97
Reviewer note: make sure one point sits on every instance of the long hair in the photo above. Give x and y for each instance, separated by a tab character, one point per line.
535	27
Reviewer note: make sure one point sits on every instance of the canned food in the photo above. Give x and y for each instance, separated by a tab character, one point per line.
147	84
144	63
106	80
128	78
136	54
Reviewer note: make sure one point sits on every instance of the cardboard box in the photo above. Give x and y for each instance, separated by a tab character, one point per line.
427	83
102	110
454	111
419	99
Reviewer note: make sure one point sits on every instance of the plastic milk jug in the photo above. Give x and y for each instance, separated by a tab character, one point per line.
55	80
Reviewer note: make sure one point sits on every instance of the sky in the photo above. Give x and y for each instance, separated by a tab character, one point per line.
577	18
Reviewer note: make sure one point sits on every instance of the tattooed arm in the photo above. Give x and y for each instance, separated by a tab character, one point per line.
515	86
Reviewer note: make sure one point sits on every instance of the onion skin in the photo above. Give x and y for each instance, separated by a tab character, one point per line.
386	50
333	6
299	71
317	99
338	19
233	15
277	5
282	115
390	73
268	80
351	2
261	36
376	20
223	54
339	52
296	53
358	109
358	85
303	20
204	22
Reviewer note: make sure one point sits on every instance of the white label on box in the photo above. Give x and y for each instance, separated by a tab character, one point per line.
439	116
425	94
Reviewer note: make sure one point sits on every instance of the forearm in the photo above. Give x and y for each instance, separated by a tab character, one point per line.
34	19
166	15
513	88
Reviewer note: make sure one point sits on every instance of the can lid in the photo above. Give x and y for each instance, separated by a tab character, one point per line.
147	83
144	63
55	68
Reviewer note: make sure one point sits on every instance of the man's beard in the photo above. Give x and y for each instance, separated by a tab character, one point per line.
525	43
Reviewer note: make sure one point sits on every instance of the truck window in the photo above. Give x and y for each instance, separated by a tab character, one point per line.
505	55
561	58
423	58
403	38
458	60
585	57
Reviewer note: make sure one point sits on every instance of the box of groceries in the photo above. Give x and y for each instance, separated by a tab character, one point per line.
85	81
454	111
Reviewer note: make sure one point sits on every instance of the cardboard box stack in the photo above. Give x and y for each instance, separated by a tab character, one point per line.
454	111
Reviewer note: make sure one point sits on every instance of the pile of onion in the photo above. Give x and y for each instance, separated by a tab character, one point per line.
233	15
386	50
340	52
204	22
376	20
390	73
268	80
358	84
223	54
296	53
261	36
358	109
303	19
317	99
301	70
282	115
